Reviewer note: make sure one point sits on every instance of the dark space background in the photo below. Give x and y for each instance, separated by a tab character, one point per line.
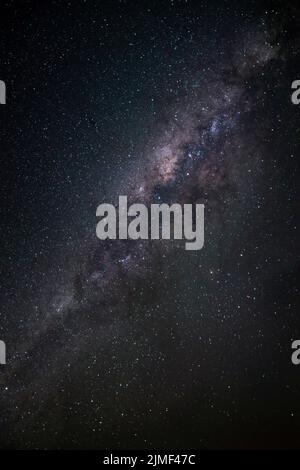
122	344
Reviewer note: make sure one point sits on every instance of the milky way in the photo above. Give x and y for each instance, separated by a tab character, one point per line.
122	343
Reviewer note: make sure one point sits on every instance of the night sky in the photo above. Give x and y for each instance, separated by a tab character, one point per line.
142	344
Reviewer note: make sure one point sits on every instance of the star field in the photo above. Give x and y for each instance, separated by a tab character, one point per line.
142	344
